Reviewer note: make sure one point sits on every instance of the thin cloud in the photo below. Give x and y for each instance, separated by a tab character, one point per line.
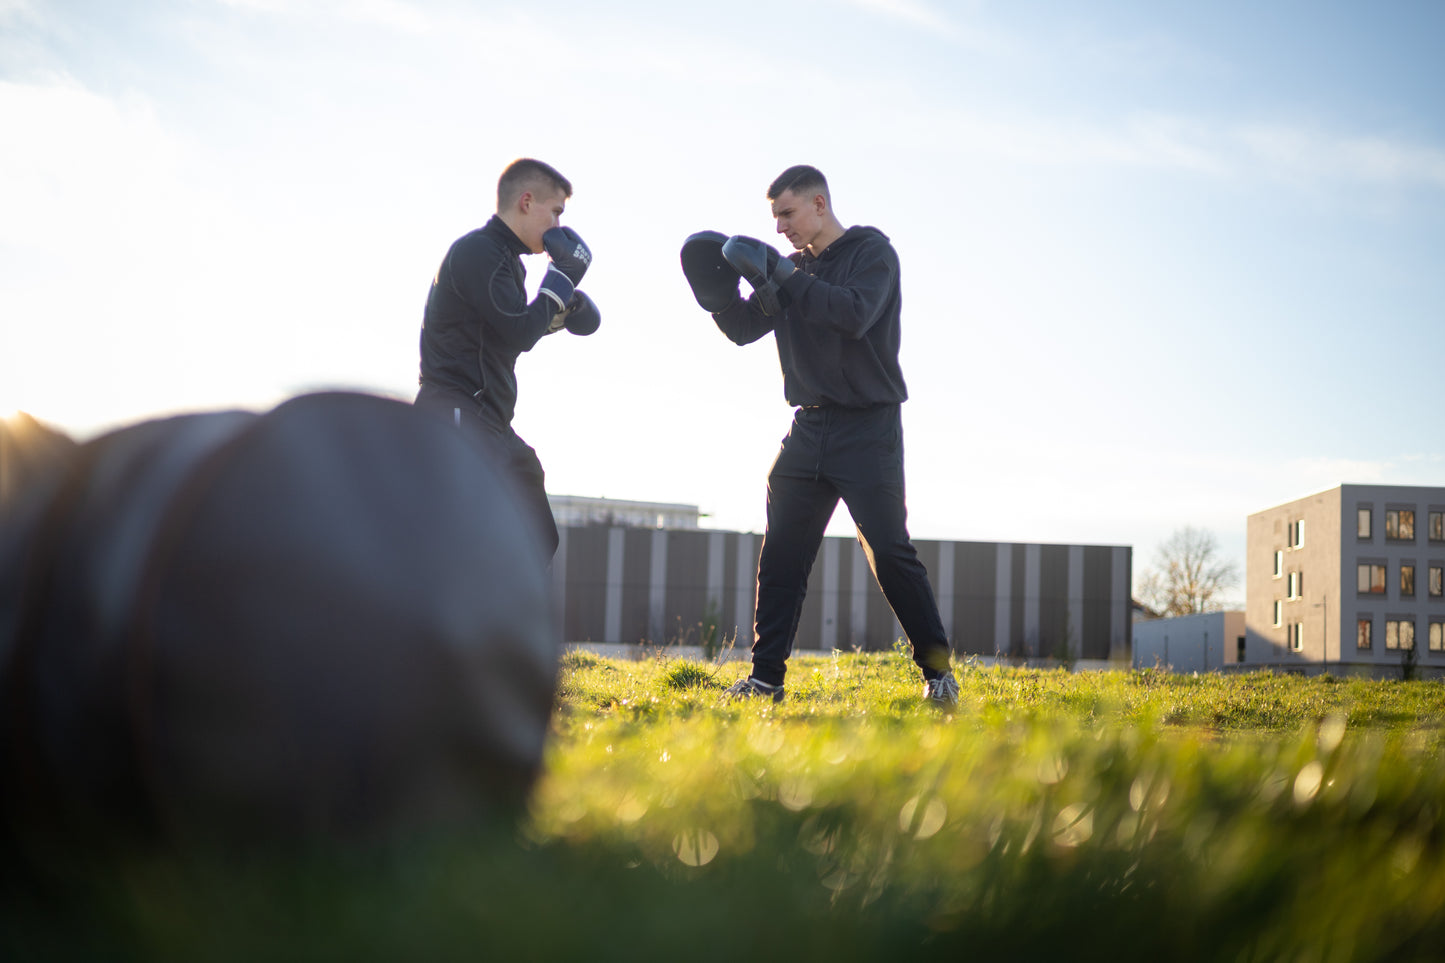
1156	141
50	180
1303	155
908	11
959	26
1178	142
392	14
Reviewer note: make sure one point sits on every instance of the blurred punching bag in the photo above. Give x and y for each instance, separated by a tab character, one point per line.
330	620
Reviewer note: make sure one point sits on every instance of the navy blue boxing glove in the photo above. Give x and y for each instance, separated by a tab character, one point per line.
569	253
580	316
761	266
559	288
583	318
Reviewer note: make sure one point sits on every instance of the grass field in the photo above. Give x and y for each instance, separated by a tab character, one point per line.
1105	815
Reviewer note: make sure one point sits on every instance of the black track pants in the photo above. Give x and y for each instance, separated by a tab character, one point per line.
516	456
855	454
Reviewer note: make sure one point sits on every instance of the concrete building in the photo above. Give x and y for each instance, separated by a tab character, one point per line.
575	510
1349	580
616	584
1207	642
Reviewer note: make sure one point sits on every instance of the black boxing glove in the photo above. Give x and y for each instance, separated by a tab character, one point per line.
569	253
583	318
761	266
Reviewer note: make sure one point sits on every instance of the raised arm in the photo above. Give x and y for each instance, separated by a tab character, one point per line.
484	276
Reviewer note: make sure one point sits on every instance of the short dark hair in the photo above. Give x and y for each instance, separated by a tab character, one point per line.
800	179
525	173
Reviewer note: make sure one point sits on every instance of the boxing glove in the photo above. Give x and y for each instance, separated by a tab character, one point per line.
761	266
558	287
569	253
583	318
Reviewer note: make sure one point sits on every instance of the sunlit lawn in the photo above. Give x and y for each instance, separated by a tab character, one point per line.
1110	815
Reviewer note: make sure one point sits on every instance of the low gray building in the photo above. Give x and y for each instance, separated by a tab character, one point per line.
629	585
1205	642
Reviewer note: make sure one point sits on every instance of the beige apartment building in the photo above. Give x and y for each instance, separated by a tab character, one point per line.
1349	580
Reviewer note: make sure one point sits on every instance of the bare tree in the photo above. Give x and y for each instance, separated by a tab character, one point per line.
1187	576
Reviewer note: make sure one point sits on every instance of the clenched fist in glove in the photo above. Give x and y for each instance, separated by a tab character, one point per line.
583	318
580	317
761	266
569	253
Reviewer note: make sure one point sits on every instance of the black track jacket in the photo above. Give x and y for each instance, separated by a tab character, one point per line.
839	333
477	320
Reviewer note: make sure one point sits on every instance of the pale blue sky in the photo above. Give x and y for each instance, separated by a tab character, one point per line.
1164	263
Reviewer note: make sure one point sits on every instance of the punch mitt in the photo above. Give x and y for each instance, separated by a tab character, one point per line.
714	281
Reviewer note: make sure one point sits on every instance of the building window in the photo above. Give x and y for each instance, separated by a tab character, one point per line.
1363	628
1296	584
1278	564
1297	635
1400	524
1437	581
1297	534
1437	635
1371	579
1239	649
1363	517
1407	580
1437	526
1399	634
1278	613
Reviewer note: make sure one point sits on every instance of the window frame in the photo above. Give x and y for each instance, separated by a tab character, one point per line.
1402	521
1373	567
1399	627
1364	626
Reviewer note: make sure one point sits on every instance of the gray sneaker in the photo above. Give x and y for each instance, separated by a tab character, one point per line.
942	691
751	688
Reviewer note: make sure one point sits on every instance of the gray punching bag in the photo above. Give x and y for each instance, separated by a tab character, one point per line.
331	620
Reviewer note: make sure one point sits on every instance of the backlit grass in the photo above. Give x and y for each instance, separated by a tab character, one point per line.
1119	815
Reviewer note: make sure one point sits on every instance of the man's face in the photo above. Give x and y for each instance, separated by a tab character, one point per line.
541	212
800	217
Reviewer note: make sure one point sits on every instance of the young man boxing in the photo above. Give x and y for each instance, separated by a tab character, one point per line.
478	320
834	307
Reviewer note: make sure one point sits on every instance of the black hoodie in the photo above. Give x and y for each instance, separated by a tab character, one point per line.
839	332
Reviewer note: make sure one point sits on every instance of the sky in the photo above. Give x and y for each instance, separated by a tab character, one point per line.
1164	263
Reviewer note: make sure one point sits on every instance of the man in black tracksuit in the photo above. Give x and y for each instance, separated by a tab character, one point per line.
836	306
478	320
